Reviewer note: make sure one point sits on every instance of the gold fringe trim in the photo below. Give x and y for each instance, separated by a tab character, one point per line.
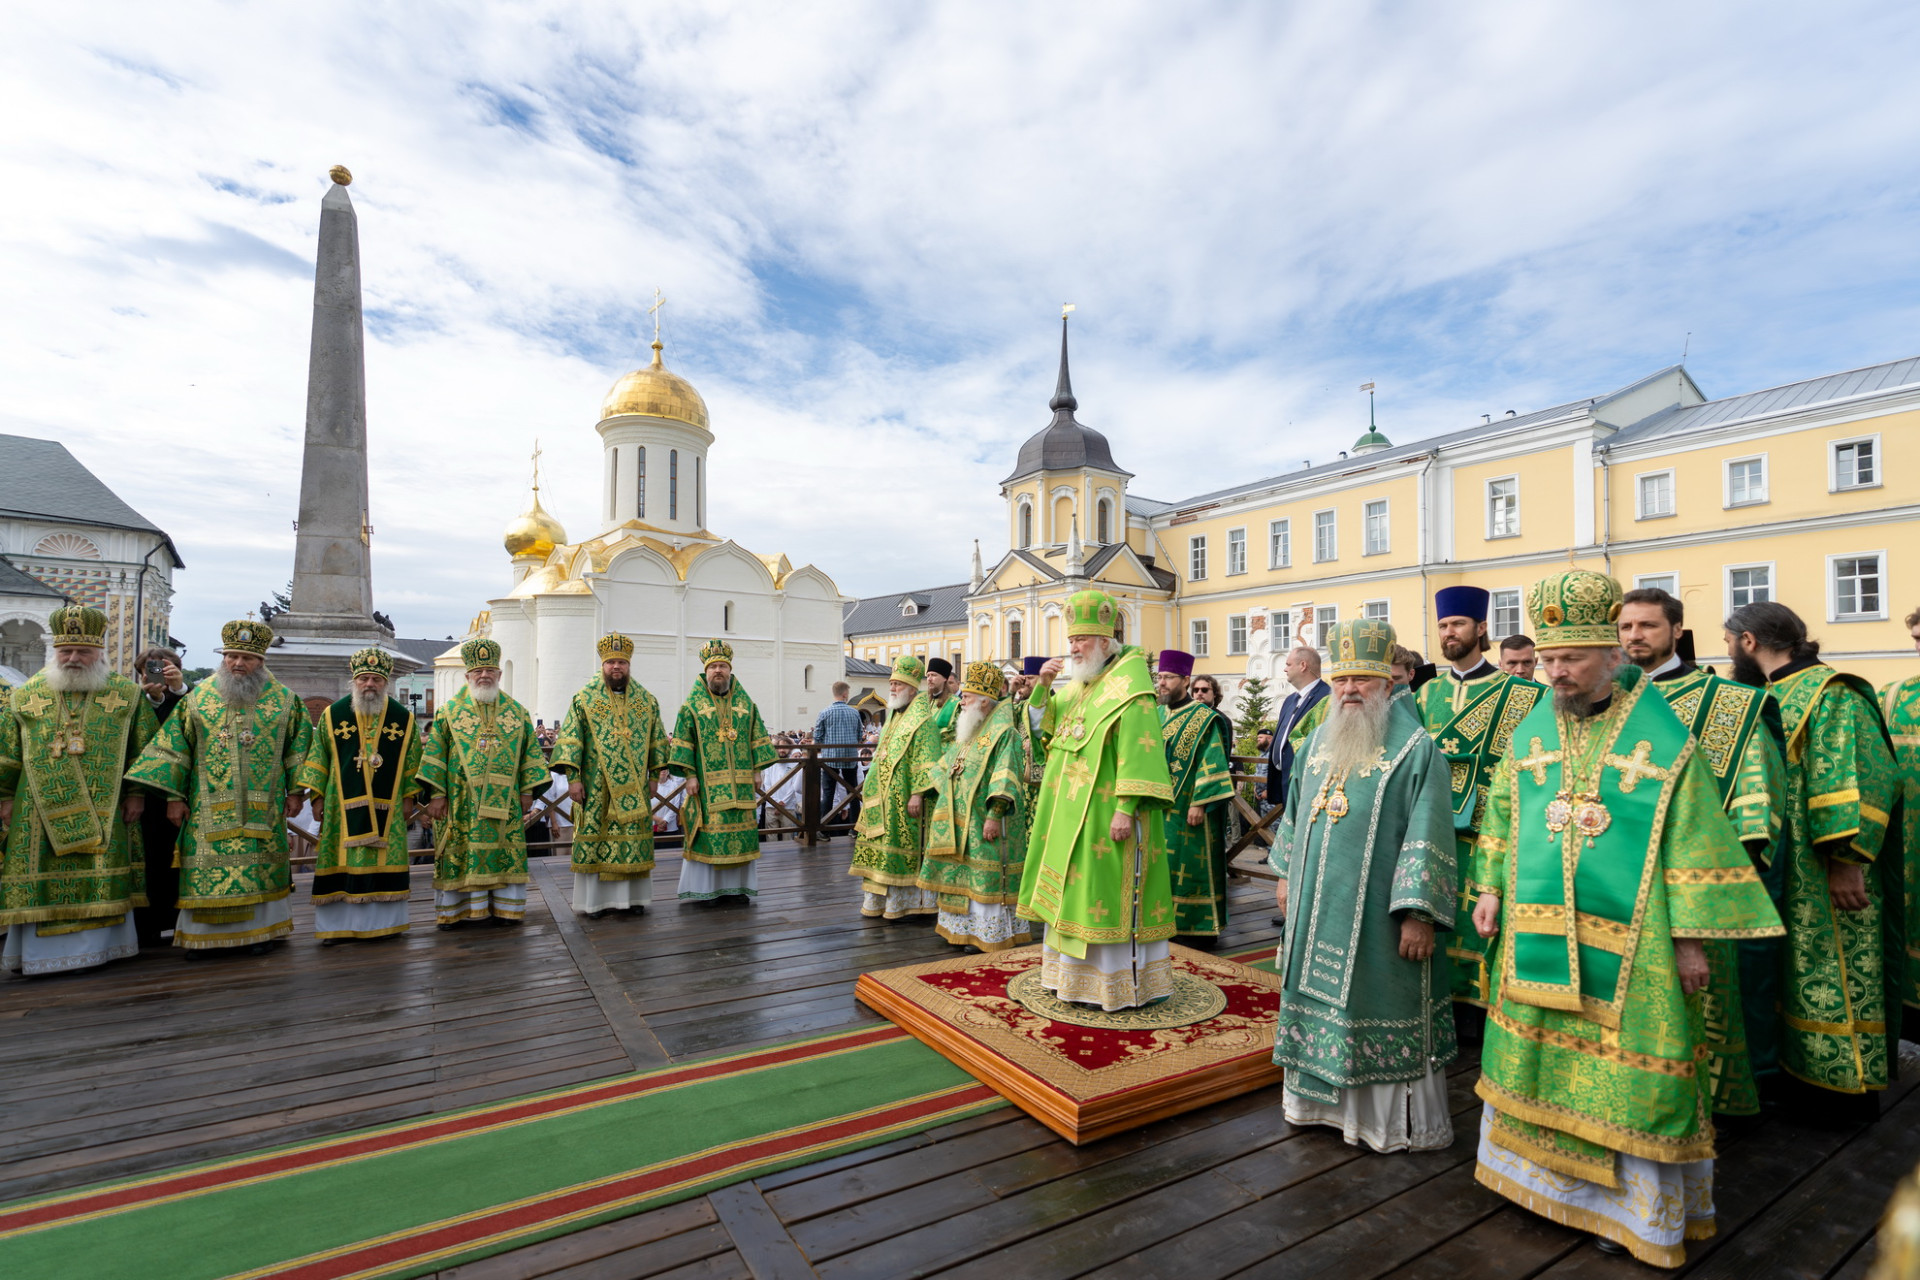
1612	1137
327	899
1603	1175
967	940
218	941
733	860
80	911
239	900
362	933
473	884
1583	1220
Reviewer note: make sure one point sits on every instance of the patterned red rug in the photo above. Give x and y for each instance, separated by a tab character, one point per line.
1083	1073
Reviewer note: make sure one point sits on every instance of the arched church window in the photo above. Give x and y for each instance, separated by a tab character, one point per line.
1120	628
640	469
1103	522
673	484
699	495
1013	642
1026	525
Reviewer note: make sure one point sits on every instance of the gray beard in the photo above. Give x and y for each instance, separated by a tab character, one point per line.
91	678
1353	736
484	693
239	690
1572	703
967	725
369	704
1083	670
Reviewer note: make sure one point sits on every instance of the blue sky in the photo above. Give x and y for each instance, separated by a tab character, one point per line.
865	217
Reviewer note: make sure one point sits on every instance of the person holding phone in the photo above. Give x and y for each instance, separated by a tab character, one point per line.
157	671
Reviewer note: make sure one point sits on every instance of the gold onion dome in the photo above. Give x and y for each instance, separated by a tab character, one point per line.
534	533
656	393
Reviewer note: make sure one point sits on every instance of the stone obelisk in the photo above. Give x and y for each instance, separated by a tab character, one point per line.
332	613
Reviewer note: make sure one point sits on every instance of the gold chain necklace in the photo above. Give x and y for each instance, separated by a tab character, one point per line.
1579	805
71	738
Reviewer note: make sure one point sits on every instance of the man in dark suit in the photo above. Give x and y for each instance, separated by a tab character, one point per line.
1303	673
157	671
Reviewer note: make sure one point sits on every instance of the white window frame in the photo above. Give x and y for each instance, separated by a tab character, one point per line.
1321	625
1236	635
1385	614
1640	479
1197	638
1241	559
1833	463
1281	529
1833	586
1727	499
1279	632
1648	580
1333	535
1486	505
1197	557
1366	528
1494	634
1773	582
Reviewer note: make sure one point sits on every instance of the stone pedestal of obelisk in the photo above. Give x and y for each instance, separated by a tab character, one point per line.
332	613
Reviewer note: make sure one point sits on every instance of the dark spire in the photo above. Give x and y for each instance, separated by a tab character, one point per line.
1063	400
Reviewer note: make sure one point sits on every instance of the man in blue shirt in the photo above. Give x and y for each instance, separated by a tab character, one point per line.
837	732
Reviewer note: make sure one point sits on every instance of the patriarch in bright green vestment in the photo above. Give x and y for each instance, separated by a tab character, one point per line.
229	761
360	770
888	838
1736	730
1202	778
480	772
1365	855
1096	870
612	747
1900	705
1606	859
1845	885
72	867
977	818
719	745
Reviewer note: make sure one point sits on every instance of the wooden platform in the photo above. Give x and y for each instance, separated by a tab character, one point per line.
155	1062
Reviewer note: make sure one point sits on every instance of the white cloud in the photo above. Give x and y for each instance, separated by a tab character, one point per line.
864	215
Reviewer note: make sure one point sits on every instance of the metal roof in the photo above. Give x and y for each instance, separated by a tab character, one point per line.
1065	444
423	651
944	605
1832	388
867	670
41	478
16	582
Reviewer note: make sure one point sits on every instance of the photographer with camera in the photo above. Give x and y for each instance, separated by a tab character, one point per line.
157	671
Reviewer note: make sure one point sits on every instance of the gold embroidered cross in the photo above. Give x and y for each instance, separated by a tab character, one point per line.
394	731
1636	766
36	704
112	702
1450	745
1099	910
1537	762
1378	764
343	731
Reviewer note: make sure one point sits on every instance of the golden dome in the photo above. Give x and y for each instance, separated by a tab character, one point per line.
534	533
657	393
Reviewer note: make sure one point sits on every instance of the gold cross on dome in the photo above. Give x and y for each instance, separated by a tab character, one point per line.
1636	767
1537	762
659	301
536	464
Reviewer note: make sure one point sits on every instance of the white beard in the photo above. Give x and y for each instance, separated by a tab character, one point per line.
967	725
91	678
483	692
1353	736
239	690
369	704
1083	670
899	701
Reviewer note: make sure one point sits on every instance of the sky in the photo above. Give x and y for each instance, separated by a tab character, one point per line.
865	218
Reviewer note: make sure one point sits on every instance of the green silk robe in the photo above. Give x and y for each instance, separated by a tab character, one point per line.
482	756
615	745
70	862
887	839
722	742
1352	1011
1613	1058
1202	777
235	768
361	852
1900	703
974	781
1473	723
1105	758
1845	969
1736	730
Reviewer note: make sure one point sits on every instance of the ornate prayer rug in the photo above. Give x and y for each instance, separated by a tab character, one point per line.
1083	1073
412	1198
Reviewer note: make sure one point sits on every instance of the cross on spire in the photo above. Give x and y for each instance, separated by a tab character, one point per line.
659	301
536	464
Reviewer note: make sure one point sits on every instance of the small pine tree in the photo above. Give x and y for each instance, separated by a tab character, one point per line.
1256	709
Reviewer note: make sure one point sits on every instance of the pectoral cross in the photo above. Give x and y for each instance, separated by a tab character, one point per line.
1636	766
1537	762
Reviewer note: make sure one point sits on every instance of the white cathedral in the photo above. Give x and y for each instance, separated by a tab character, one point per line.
657	574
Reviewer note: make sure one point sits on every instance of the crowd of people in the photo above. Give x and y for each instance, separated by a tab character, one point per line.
1652	894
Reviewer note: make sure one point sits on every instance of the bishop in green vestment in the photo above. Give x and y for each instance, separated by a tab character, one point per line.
229	761
611	747
1900	705
1845	880
1096	870
360	771
1736	730
719	745
479	775
71	870
977	819
1607	859
887	840
1202	778
1365	855
1470	708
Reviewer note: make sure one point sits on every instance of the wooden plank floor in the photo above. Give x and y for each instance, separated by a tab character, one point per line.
157	1061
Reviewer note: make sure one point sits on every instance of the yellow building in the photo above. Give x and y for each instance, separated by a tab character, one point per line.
1794	493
